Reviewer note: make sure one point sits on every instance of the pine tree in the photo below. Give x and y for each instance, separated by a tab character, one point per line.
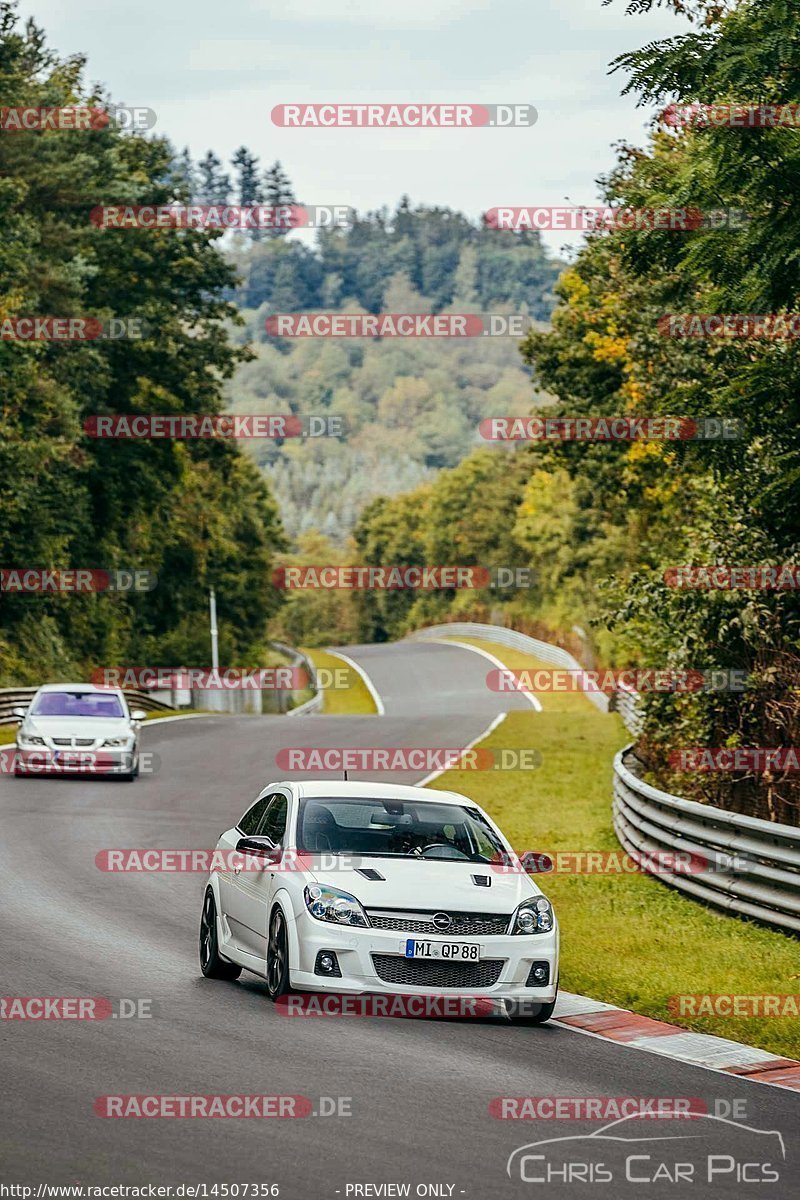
184	175
248	184
278	191
214	185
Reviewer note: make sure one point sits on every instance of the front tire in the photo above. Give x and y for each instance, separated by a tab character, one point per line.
520	1011
212	964
277	955
130	776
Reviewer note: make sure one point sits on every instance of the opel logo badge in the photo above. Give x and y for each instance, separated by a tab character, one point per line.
442	921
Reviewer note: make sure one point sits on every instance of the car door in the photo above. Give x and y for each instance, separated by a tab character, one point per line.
251	890
246	827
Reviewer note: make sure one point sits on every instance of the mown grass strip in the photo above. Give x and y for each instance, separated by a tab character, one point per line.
350	701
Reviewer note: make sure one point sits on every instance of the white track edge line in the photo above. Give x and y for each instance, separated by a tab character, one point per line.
443	770
672	1058
370	686
182	717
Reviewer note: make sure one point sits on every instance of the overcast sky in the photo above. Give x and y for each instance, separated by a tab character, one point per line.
213	69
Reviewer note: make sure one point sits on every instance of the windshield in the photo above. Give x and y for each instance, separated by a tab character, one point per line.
397	829
77	704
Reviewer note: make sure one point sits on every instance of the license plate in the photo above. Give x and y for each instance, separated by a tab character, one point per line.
451	951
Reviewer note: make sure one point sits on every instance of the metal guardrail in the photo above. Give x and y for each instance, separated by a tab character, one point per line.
11	698
235	702
299	659
753	866
627	703
517	641
312	705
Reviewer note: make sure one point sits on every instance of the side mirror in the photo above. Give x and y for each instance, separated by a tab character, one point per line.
260	847
138	714
19	712
536	864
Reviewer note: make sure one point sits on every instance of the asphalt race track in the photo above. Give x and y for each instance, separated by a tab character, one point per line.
419	1089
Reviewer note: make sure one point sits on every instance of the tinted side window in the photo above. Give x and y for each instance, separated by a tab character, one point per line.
251	819
273	824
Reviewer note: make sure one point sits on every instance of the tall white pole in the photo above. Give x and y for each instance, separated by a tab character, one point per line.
212	605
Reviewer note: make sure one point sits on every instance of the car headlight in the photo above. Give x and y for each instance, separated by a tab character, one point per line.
116	741
26	739
534	916
331	904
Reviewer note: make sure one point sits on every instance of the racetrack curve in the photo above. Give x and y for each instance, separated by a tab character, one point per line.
420	1089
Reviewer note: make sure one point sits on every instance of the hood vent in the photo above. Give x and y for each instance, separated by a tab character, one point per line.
370	873
482	880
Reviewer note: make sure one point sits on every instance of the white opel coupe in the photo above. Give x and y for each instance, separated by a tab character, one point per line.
378	888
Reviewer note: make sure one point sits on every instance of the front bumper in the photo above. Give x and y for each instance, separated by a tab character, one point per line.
46	761
355	948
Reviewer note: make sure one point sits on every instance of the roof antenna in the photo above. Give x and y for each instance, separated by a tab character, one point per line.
344	773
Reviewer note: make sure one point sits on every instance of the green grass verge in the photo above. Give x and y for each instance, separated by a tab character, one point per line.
8	734
349	701
629	940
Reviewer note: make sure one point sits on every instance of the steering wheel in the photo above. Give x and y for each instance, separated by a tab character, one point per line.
451	851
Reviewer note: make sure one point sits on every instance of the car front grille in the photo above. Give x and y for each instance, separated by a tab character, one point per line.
463	924
432	973
73	741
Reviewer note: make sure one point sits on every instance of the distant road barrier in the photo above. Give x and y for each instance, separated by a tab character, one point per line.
298	659
217	701
11	698
516	641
